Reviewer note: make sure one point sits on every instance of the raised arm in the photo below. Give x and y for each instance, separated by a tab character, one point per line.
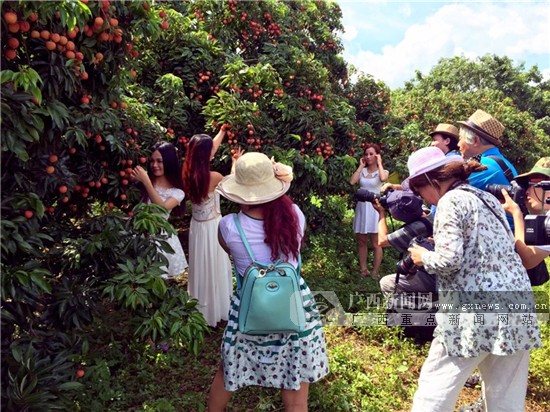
140	174
382	174
357	174
217	141
530	256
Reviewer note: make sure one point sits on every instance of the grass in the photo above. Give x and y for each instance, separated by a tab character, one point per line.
373	368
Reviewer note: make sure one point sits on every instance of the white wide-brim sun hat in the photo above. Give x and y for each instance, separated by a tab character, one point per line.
256	180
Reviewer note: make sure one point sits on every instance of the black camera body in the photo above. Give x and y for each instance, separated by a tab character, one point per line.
406	265
364	195
516	192
537	230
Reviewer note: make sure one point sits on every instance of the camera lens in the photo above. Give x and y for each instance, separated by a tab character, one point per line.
406	266
495	190
364	195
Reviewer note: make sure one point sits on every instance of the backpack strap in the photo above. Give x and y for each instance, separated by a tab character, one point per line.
246	245
249	250
243	237
507	171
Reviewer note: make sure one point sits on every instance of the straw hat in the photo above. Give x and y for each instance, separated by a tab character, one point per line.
427	159
256	180
542	167
447	130
484	125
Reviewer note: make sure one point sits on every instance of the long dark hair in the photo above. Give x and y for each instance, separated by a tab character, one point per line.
196	167
281	227
170	163
171	166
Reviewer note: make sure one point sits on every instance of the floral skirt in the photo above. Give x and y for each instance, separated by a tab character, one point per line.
275	360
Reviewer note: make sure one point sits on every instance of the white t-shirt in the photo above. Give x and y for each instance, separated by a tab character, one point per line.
254	231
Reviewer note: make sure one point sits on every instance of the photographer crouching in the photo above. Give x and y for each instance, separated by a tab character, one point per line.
407	208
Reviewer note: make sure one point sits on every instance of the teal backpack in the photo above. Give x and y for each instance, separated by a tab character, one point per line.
270	296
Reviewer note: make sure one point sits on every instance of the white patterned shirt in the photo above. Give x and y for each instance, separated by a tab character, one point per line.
474	253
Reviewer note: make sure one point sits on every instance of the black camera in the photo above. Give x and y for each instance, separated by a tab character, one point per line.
545	186
516	192
364	195
406	265
537	230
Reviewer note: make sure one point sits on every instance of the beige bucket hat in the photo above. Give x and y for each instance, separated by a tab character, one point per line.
447	130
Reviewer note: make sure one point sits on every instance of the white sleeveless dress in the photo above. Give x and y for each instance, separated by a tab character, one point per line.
177	263
366	216
210	272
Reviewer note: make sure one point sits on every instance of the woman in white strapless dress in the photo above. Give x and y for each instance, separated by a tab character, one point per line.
210	272
164	188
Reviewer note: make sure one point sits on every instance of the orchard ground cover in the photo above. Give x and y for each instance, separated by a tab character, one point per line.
372	368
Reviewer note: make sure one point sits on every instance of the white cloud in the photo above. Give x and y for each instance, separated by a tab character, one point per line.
350	33
517	30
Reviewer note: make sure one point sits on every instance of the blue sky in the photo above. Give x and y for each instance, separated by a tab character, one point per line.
391	39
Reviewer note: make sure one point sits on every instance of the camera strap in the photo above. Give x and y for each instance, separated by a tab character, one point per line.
508	230
507	171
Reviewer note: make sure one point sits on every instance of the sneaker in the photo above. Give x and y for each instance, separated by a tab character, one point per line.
473	380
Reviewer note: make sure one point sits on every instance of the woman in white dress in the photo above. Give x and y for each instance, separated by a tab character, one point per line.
163	186
209	265
370	174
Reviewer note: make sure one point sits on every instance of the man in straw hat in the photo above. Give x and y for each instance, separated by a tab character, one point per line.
445	137
479	137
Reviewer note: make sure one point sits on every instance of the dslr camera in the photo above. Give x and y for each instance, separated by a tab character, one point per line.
406	265
364	195
515	191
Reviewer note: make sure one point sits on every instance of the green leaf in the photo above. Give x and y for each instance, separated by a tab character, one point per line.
71	386
6	76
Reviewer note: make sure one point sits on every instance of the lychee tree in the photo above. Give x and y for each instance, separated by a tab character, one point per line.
70	253
271	71
87	88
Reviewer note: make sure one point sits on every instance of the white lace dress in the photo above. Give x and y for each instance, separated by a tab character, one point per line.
366	216
177	263
210	273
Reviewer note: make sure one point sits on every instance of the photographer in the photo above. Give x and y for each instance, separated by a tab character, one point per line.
370	174
536	201
406	207
473	255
